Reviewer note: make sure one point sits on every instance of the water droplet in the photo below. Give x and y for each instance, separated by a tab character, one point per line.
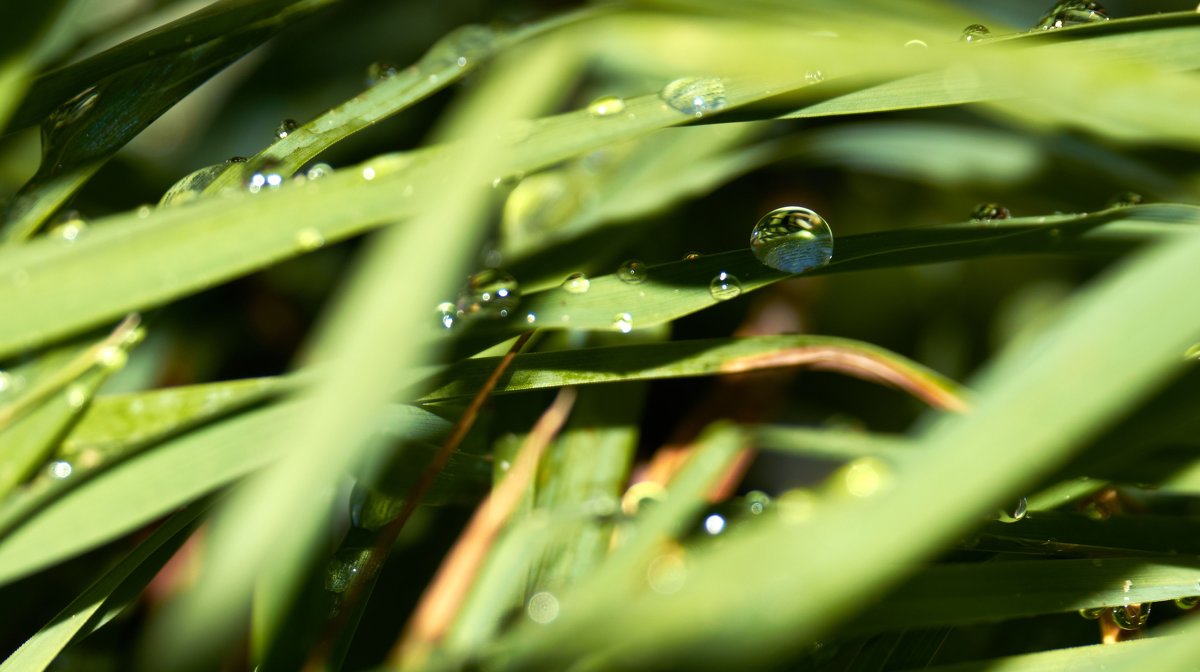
1017	512
112	357
77	396
459	48
577	283
623	323
632	272
74	109
695	96
667	574
1131	616
319	170
691	256
69	226
8	382
1091	613
975	32
1071	13
344	568
608	106
60	469
542	608
757	501
814	76
917	44
379	71
1187	602
792	240
285	128
987	212
144	211
864	477
724	286
1125	199
491	292
531	318
309	239
236	159
714	524
368	173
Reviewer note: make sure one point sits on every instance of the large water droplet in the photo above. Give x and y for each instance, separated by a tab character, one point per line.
724	286
975	32
1071	13
695	96
632	272
623	322
1131	616
576	283
792	239
285	128
608	106
1016	512
491	292
987	212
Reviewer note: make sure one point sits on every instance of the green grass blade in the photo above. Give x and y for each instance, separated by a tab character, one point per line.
1032	407
108	596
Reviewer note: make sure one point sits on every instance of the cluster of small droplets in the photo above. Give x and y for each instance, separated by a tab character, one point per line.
695	96
1072	13
491	292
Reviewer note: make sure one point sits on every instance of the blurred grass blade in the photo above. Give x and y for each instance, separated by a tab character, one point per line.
33	424
23	47
960	594
1167	535
1032	407
1095	657
108	596
105	113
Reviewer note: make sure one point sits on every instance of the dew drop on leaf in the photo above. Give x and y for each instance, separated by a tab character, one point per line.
632	272
285	128
695	96
987	212
1125	199
491	292
623	322
1131	616
792	239
576	283
724	286
608	106
1015	512
975	32
1072	13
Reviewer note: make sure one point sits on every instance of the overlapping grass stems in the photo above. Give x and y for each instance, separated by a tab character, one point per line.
599	580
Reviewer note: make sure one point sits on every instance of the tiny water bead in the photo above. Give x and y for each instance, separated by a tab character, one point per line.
632	272
864	477
60	469
714	524
576	283
236	159
691	256
792	239
1125	199
379	71
1091	613
608	106
318	170
492	292
1187	602
814	76
1016	512
112	357
285	128
724	286
1072	13
263	180
460	47
309	239
975	32
77	396
69	226
344	568
1131	616
695	96
987	212
623	322
757	502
